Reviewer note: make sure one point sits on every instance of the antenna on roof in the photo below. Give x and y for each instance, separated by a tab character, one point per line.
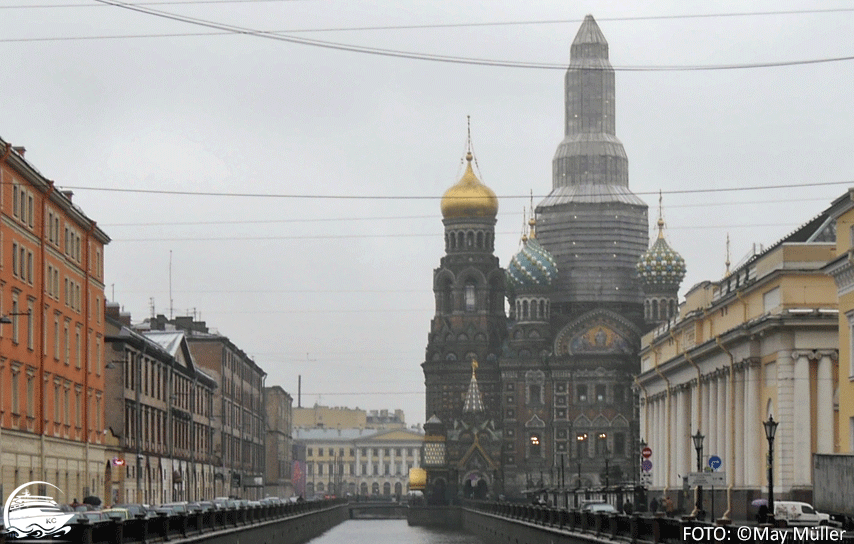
170	284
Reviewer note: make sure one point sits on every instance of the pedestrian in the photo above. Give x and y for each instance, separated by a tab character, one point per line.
653	505
668	507
627	508
762	515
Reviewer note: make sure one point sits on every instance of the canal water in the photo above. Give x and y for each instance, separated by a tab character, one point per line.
391	531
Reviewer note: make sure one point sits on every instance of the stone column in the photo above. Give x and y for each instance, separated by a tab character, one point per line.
802	440
722	417
752	455
824	402
740	453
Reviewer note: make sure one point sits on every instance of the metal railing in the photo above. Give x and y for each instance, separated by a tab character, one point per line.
165	527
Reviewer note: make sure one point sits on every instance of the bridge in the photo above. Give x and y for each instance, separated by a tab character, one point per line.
377	510
493	521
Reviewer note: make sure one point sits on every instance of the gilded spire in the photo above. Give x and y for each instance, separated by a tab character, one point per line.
727	263
660	216
532	222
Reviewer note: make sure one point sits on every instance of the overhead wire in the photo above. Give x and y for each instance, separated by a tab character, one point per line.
397	53
309	196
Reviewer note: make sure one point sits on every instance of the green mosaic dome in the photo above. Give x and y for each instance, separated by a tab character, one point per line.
660	267
533	269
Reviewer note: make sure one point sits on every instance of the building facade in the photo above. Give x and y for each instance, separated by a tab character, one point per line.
159	407
760	342
278	406
51	334
841	269
369	463
239	445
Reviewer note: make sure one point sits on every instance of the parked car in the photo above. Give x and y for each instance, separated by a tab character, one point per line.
598	507
799	513
117	513
135	509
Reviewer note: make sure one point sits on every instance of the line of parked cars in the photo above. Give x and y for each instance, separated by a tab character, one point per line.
125	511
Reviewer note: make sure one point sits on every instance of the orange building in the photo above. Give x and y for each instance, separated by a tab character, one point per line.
51	335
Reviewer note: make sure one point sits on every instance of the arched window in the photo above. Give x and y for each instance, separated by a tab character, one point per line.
543	309
447	298
524	309
534	445
470	296
375	488
646	309
387	489
672	309
655	310
535	394
469	239
480	240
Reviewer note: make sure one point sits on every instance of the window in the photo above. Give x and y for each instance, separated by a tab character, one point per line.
30	326
470	297
600	393
602	444
320	452
534	446
581	441
535	394
619	444
582	393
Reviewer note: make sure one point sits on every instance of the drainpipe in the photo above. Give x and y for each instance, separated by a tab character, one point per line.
699	411
731	455
42	317
667	426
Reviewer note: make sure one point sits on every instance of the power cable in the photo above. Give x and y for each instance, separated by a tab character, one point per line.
428	216
439	58
427	197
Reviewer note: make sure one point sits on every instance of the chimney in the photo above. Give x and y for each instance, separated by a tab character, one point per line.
67	193
19	149
111	309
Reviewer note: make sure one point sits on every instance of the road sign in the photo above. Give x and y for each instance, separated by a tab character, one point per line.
715	462
709	479
646	452
646	465
118	462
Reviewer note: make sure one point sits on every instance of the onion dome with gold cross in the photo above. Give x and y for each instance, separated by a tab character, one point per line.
533	269
469	198
661	268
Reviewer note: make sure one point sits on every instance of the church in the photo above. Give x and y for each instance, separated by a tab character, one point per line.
516	399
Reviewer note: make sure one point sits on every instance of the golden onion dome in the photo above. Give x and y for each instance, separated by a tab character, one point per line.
469	197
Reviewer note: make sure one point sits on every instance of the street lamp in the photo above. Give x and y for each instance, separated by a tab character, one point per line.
698	445
770	431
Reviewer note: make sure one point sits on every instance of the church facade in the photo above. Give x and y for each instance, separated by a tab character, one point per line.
555	373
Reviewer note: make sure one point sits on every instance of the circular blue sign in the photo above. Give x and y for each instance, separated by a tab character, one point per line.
715	462
646	465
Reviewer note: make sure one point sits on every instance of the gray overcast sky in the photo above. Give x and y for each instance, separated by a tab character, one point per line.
340	290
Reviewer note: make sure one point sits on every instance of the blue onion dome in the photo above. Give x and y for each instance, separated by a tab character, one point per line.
660	267
533	269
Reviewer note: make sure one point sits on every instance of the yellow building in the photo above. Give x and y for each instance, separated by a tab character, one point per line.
359	461
762	341
842	270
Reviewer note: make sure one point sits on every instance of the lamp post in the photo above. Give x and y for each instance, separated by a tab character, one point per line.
770	431
698	445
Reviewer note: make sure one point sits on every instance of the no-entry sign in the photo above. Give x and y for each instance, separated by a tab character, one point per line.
646	452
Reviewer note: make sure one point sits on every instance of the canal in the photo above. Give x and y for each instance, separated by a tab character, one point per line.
391	531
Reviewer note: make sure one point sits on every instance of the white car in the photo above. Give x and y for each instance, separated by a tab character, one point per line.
799	513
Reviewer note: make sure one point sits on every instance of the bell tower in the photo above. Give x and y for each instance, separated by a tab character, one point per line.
469	322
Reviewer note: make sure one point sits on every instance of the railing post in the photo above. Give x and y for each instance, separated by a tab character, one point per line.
634	527
118	529
164	525
85	531
656	529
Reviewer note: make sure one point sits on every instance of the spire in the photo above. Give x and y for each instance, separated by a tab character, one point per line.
474	400
532	222
589	42
660	216
727	263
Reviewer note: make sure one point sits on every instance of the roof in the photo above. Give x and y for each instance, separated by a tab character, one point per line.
332	435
